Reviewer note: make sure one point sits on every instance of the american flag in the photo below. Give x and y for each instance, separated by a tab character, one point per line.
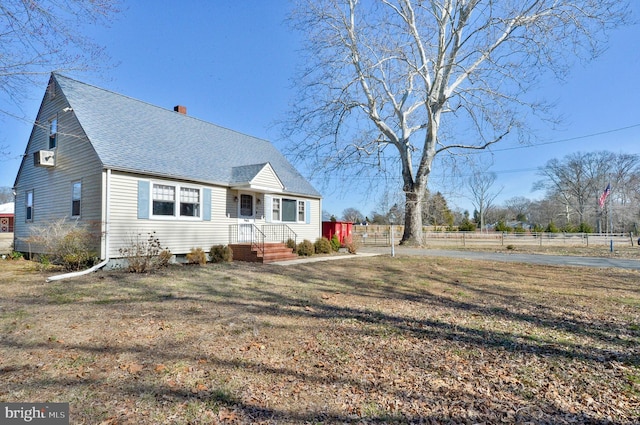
604	195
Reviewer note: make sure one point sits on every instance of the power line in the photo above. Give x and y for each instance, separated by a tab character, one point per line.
570	139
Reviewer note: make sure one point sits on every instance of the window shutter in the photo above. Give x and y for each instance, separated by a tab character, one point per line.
143	199
307	211
268	208
206	204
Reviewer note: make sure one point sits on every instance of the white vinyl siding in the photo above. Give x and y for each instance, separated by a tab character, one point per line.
267	178
50	187
310	228
177	235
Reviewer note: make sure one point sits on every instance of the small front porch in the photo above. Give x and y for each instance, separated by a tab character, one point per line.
265	244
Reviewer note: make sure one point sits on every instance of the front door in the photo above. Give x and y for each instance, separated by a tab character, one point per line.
246	217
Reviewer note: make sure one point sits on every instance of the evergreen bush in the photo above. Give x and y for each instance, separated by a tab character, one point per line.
335	242
323	246
197	256
291	244
221	254
552	228
306	248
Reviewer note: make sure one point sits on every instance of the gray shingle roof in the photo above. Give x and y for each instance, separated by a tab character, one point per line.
131	135
245	173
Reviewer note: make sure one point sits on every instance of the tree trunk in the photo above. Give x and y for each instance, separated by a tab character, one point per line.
413	235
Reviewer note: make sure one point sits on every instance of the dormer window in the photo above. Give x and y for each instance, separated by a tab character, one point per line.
53	133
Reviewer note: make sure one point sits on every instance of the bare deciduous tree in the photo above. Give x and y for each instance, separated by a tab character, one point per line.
37	37
518	207
480	185
578	180
6	195
388	85
352	215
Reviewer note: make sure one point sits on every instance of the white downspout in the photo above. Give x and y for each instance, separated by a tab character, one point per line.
106	239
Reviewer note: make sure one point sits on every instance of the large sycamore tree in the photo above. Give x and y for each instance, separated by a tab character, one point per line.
388	85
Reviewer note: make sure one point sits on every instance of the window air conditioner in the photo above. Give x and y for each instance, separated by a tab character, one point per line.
44	158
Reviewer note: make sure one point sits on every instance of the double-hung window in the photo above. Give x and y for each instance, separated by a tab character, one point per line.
189	202
275	209
176	201
76	198
301	214
164	200
29	205
53	133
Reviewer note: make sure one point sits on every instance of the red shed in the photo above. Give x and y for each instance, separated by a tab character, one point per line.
6	217
340	228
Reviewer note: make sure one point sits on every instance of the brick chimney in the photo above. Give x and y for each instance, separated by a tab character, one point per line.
180	109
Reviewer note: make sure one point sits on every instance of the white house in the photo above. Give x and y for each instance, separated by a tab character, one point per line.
127	167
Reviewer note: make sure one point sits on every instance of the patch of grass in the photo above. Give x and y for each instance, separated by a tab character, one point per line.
631	301
383	340
17	314
633	383
61	295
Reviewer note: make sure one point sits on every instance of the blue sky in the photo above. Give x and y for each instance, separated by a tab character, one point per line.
232	64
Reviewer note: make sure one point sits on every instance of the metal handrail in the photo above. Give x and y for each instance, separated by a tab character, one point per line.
268	233
279	233
257	244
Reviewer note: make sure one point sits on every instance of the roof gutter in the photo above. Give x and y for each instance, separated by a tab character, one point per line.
106	239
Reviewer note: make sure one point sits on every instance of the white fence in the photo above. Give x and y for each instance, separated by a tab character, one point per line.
381	236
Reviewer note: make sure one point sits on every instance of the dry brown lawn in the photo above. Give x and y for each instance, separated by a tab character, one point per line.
365	340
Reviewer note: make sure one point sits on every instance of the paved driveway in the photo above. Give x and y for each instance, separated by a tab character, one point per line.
549	260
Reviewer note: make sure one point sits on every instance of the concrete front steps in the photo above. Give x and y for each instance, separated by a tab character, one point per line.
272	252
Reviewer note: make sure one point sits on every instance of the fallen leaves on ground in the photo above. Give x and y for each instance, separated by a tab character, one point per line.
372	340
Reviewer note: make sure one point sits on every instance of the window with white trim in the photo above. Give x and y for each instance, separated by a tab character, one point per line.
176	201
29	205
53	133
189	202
275	209
164	200
76	199
288	210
